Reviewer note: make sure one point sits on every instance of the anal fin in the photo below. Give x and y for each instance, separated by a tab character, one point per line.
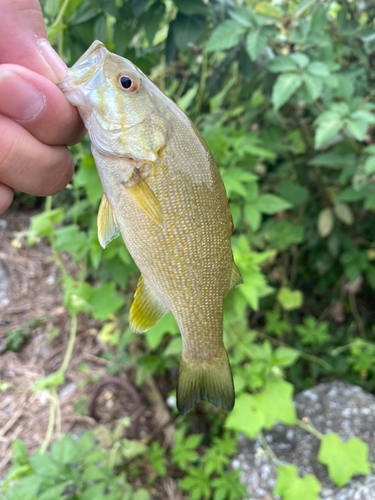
108	228
145	198
146	309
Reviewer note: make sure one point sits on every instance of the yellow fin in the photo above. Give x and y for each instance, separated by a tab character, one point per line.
143	195
235	277
211	382
108	228
146	309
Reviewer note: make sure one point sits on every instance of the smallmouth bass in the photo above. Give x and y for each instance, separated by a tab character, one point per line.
163	192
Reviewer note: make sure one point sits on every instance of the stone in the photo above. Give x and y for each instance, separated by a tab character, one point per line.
4	286
332	407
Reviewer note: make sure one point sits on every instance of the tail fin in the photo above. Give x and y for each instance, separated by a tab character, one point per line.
211	382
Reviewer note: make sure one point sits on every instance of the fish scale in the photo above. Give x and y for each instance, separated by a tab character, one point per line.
163	192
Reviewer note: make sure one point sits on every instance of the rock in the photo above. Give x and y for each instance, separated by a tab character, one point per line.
333	407
4	286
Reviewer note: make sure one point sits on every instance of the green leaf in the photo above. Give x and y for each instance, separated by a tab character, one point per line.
326	222
64	451
255	43
289	299
245	417
302	60
291	487
253	216
271	204
319	69
52	380
343	459
285	86
358	128
88	178
343	213
225	36
19	452
141	494
105	301
273	404
43	223
70	239
329	123
174	347
370	165
132	448
293	193
280	234
276	402
192	7
285	356
242	15
187	29
152	19
156	333
314	86
282	64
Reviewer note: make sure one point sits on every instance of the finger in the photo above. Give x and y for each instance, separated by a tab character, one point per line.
21	21
6	197
39	106
30	166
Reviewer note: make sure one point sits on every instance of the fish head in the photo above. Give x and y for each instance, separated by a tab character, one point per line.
124	112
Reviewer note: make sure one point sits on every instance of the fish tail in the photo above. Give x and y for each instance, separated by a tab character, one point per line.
212	382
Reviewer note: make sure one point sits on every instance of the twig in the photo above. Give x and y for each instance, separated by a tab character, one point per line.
356	315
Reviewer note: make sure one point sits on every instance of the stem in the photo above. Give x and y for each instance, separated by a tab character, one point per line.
51	423
61	13
202	85
304	355
58	413
69	349
356	315
309	428
268	449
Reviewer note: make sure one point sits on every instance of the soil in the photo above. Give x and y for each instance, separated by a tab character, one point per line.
35	311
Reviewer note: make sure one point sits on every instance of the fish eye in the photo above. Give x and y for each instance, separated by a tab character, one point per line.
127	82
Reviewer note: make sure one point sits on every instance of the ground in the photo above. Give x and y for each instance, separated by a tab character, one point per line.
35	307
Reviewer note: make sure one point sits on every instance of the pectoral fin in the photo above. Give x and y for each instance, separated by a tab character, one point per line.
143	195
107	225
235	277
146	309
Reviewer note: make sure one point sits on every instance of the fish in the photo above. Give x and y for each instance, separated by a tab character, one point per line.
163	192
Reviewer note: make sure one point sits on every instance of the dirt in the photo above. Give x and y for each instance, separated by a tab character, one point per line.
36	308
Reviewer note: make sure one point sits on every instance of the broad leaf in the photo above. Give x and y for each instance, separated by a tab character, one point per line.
225	36
285	86
343	459
291	487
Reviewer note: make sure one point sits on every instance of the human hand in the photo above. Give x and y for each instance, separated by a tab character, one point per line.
36	121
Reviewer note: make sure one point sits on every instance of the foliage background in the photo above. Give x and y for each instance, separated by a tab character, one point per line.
282	92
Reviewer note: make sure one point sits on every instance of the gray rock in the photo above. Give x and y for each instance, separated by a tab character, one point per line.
333	407
4	286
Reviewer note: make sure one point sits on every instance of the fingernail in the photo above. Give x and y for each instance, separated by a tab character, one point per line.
18	98
52	58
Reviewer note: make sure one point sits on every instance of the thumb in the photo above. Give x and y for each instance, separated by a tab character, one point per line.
23	39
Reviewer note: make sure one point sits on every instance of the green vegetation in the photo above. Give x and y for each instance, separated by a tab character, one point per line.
282	92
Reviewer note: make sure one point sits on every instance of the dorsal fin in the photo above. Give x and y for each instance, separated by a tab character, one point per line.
146	309
235	277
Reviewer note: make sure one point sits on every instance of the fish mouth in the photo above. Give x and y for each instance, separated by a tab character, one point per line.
86	66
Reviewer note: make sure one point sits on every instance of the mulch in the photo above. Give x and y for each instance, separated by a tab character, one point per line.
35	293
